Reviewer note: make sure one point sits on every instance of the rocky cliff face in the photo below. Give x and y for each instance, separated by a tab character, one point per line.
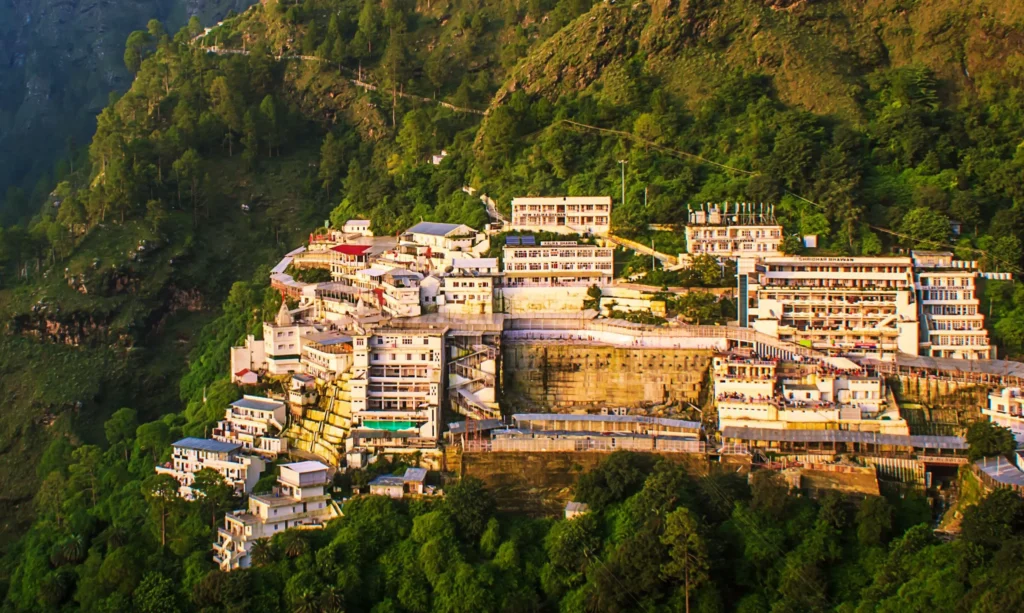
59	60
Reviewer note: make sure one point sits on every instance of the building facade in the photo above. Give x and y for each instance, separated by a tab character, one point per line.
255	423
566	214
752	392
299	501
557	263
282	342
862	306
733	230
468	287
951	324
191	455
397	387
1006	408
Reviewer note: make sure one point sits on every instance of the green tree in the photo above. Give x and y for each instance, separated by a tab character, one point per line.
250	140
996	519
135	48
471	505
688	555
188	171
332	162
925	228
213	492
155	594
120	429
272	122
987	440
874	521
369	24
161	492
228	108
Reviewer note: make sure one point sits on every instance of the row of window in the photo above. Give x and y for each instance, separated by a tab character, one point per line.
574	254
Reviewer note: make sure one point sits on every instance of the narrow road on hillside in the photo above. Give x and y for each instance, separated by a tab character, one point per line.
664	258
489	205
358	83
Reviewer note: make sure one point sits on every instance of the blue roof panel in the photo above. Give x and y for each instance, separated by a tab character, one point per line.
433	228
205	444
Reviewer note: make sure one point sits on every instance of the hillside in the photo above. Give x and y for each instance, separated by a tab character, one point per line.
871	124
59	61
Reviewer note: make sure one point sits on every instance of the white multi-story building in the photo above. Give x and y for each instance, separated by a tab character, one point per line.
282	342
556	263
758	393
360	227
190	455
565	214
951	324
1006	408
840	305
733	230
397	387
327	354
298	501
255	423
395	291
446	237
348	259
468	287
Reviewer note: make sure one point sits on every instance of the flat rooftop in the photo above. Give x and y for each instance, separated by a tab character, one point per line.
307	466
256	403
206	444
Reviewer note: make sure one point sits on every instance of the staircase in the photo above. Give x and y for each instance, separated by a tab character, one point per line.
472	378
322	429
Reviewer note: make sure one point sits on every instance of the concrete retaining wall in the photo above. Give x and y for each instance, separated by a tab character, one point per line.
546	375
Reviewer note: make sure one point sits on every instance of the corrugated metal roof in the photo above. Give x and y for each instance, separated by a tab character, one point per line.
388	480
258	404
635	419
351	249
205	444
307	466
459	427
415	475
843	436
434	228
1001	470
991	367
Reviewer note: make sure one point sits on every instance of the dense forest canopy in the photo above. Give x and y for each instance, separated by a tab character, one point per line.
59	61
872	125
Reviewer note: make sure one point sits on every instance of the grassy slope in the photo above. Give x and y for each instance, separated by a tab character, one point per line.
42	383
816	53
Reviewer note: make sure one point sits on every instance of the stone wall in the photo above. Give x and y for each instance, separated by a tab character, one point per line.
539	484
939	392
547	375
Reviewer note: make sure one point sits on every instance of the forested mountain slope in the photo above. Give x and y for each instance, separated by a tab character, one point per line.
59	60
886	119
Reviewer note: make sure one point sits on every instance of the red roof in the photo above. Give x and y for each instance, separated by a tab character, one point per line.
351	249
242	372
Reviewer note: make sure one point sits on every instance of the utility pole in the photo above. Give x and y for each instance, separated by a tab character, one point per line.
622	164
645	196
